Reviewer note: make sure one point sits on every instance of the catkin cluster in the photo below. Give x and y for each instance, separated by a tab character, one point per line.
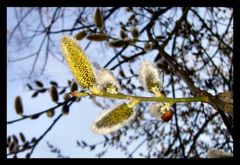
105	82
150	79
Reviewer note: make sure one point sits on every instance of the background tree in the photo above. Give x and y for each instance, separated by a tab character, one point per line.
191	47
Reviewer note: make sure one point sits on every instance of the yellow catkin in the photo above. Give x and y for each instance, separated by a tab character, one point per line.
113	119
117	116
78	62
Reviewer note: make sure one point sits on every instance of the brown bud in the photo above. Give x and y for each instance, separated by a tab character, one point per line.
54	93
9	139
98	18
81	35
35	116
167	116
54	83
11	147
65	109
74	86
153	45
129	9
18	105
22	137
117	43
97	37
69	82
147	47
15	139
34	140
123	34
129	41
26	145
51	113
134	32
66	97
39	84
42	90
131	18
35	94
15	148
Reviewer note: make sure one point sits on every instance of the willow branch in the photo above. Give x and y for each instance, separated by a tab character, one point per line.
141	98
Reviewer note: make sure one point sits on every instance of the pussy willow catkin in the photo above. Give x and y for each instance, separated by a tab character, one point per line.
113	119
78	62
107	82
150	78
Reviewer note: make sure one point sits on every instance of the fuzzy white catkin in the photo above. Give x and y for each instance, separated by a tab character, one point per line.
215	153
158	109
105	77
149	73
154	110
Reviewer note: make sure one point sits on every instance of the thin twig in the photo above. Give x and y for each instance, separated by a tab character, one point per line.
40	113
44	134
139	145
